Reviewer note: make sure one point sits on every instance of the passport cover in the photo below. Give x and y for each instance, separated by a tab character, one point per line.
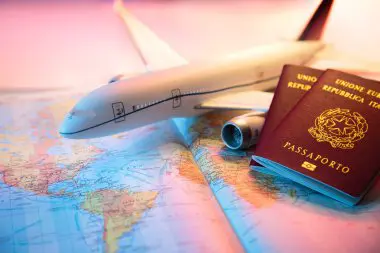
328	141
294	82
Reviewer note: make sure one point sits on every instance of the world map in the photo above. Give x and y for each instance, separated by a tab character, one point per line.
168	187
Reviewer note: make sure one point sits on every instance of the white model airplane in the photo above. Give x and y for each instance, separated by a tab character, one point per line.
173	88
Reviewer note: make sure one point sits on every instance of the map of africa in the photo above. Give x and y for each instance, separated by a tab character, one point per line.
168	187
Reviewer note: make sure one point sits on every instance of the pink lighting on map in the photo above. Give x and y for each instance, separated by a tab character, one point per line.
71	44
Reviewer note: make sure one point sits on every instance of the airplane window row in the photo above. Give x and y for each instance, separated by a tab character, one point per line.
193	91
141	106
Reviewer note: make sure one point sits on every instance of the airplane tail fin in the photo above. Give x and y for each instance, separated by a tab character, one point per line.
315	26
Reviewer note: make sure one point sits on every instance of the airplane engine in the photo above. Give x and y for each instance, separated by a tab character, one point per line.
243	131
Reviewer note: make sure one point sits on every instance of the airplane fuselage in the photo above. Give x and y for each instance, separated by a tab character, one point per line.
175	92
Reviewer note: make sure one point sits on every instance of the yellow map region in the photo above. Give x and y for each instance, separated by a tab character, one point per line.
217	163
120	210
29	165
189	170
182	160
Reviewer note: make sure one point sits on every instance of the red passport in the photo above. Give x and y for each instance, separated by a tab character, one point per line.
294	82
328	141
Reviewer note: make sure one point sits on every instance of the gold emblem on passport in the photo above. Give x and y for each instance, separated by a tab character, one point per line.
308	166
340	127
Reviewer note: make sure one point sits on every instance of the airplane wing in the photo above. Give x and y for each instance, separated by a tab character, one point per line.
153	51
248	100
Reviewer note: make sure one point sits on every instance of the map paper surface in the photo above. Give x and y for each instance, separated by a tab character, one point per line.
167	187
134	192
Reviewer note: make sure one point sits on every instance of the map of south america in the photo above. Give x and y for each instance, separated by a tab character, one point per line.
120	211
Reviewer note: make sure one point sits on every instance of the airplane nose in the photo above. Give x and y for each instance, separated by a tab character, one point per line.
75	122
95	115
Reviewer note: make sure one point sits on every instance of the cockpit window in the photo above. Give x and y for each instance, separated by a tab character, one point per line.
88	114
